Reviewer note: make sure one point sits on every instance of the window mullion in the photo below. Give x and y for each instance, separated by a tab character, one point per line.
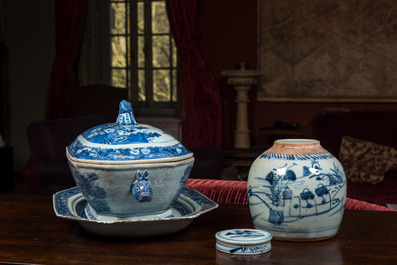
127	46
171	69
134	89
146	75
148	54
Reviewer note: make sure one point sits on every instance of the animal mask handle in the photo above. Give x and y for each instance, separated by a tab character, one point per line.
142	189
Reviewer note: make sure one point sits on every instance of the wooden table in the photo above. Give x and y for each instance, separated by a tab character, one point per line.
31	233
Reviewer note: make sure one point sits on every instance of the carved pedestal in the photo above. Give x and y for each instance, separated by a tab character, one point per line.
242	80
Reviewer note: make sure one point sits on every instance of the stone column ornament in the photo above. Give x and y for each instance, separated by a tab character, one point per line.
242	80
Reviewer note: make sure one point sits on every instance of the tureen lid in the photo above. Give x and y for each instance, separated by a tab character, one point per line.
126	141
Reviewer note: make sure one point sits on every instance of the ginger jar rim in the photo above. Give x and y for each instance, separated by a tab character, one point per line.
297	147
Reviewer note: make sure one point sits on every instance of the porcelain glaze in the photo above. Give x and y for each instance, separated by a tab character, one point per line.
70	204
297	191
126	169
243	241
126	141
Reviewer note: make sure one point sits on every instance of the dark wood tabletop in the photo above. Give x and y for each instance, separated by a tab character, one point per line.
31	233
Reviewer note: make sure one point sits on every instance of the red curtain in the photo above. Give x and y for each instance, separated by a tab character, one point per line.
70	18
198	90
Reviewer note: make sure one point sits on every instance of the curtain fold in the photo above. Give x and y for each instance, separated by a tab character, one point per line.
198	91
70	17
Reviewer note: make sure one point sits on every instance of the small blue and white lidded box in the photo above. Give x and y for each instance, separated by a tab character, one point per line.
243	241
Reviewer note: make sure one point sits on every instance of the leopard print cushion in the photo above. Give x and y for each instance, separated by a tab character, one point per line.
366	162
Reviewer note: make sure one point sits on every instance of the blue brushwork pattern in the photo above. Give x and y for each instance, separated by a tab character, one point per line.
181	208
126	115
267	155
92	192
63	199
125	140
243	241
243	249
182	181
114	134
246	234
288	199
202	201
79	151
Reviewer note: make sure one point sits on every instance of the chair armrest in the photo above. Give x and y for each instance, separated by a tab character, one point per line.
235	192
221	191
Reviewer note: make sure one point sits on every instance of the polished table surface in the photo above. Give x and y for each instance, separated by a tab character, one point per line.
31	233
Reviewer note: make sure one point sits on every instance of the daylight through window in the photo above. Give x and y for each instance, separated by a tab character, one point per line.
143	52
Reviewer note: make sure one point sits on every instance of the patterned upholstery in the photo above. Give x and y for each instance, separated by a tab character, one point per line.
373	126
235	192
366	162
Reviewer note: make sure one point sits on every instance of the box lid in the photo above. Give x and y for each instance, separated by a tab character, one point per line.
243	241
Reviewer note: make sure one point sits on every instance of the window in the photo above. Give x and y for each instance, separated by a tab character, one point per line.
143	54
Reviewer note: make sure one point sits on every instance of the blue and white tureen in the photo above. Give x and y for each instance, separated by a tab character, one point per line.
126	169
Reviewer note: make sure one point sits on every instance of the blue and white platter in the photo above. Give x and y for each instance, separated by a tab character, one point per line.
70	204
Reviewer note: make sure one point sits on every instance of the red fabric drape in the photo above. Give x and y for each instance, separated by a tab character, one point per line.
198	90
70	17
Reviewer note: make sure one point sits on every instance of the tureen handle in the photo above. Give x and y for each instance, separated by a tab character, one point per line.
126	115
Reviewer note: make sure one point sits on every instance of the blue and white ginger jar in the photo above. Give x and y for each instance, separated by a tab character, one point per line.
297	191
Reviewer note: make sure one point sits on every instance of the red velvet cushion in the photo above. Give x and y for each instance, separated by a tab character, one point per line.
235	192
221	191
353	204
382	193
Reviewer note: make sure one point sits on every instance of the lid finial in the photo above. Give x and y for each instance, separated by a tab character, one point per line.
126	115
